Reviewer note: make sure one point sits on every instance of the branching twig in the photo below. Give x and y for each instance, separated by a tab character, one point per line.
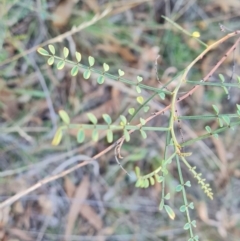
121	140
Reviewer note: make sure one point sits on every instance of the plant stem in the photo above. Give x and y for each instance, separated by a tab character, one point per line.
184	196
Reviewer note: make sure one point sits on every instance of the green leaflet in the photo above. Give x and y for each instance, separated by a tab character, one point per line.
64	116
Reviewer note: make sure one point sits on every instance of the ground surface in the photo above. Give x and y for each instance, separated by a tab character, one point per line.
99	201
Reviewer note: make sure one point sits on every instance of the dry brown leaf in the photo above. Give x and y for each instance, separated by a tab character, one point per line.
115	47
62	13
18	208
46	205
116	97
4	216
193	44
2	235
203	212
227	5
221	152
92	217
80	195
69	187
22	235
236	173
198	96
93	5
9	100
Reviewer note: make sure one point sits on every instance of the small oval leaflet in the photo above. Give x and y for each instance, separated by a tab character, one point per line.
138	89
193	223
167	197
196	34
161	204
100	79
143	134
169	211
64	116
226	119
126	135
188	184
140	100
105	67
208	129
146	108
86	74
178	188
57	138
120	72
131	111
51	60
146	183
92	118
80	136
43	52
221	78
109	136
91	61
182	208
137	171
107	119
74	70
60	64
215	109
65	52
220	121
160	178
139	78
191	205
139	183
51	48
142	121
78	56
152	181
123	119
186	226
162	95
95	135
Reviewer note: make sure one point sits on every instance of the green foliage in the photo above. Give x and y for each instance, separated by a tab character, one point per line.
159	174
